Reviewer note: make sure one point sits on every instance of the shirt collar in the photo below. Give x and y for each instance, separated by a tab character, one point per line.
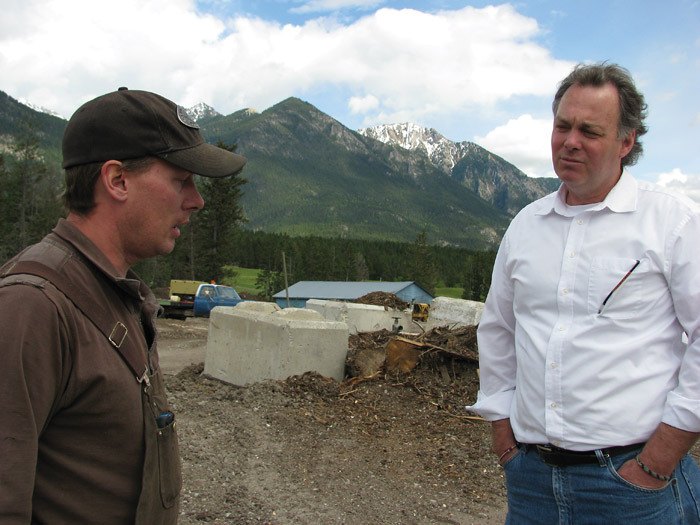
622	198
131	283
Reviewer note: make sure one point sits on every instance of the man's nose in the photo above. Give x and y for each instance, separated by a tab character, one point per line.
572	140
194	200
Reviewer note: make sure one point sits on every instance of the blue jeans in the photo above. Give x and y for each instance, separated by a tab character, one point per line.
539	494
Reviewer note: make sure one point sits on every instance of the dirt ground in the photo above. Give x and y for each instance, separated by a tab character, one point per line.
397	448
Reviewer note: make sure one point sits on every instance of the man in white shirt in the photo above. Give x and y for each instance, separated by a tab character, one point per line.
593	396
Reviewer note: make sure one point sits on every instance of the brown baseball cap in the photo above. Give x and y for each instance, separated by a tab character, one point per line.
129	124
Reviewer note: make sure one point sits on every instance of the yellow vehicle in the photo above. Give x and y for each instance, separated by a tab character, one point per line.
183	289
181	302
420	312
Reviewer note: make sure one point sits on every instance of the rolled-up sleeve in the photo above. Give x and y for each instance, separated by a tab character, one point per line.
496	342
682	408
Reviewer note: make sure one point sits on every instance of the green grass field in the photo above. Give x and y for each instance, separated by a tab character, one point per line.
244	280
454	293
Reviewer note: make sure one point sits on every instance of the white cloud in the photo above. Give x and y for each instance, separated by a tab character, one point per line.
675	176
688	184
363	104
421	65
71	51
315	6
524	142
417	65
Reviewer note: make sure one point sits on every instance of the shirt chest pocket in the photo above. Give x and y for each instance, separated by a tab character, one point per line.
616	287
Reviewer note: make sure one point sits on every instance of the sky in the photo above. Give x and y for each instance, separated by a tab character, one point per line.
474	71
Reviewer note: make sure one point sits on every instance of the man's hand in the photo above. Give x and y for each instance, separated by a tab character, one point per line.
502	439
665	448
632	472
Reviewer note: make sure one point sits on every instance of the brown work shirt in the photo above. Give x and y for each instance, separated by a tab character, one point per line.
73	436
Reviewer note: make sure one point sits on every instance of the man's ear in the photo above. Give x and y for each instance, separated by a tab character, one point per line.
627	143
113	181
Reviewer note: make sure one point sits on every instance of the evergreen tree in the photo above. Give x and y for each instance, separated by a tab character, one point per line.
466	281
424	271
472	280
361	270
476	278
214	226
7	216
269	283
345	264
29	206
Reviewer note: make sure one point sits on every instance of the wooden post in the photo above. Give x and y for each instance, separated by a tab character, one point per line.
286	283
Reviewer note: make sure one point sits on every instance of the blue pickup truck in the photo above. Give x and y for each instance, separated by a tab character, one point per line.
210	295
196	298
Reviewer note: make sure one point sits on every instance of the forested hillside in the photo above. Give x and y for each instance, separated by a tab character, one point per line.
338	205
310	175
30	206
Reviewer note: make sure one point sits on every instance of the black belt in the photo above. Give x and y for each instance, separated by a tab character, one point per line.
559	457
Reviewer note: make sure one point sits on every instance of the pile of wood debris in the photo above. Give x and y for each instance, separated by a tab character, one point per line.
385	299
372	352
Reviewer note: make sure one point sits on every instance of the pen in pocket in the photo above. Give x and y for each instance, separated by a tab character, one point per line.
607	298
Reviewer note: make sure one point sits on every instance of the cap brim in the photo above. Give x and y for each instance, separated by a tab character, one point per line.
206	160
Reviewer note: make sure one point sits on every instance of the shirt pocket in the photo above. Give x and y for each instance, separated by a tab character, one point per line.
605	275
169	468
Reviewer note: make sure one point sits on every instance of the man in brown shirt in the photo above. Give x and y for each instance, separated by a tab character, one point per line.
86	434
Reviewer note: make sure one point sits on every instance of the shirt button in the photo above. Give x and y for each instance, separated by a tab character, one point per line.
553	365
562	328
553	405
580	221
572	254
565	291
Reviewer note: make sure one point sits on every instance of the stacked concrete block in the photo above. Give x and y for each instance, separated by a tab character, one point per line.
445	311
253	342
360	317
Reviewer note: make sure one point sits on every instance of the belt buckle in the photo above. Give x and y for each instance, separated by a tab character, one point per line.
544	448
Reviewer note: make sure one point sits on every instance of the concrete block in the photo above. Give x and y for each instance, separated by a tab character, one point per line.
249	343
257	306
360	317
445	311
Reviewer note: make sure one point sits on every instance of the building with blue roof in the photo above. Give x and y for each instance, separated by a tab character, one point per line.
302	291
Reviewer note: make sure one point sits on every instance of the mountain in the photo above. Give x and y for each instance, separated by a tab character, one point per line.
310	175
40	109
202	111
488	175
18	120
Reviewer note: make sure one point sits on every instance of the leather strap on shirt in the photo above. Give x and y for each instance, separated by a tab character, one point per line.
115	331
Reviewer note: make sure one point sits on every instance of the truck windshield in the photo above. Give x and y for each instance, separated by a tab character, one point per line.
226	291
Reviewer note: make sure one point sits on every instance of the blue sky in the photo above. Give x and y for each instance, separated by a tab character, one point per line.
477	71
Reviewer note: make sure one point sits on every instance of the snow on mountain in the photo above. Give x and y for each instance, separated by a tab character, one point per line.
490	176
197	111
40	109
202	110
441	151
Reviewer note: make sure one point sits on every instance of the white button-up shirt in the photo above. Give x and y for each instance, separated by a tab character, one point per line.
570	370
